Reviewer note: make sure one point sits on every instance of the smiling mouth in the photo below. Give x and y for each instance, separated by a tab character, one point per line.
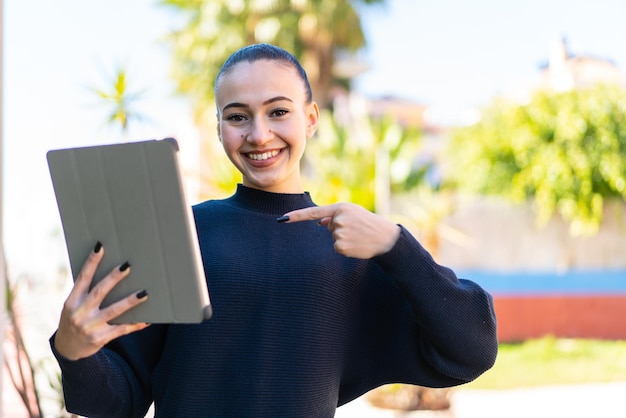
262	156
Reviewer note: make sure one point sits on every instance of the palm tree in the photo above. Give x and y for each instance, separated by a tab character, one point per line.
118	96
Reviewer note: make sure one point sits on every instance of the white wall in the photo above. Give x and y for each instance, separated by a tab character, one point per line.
499	236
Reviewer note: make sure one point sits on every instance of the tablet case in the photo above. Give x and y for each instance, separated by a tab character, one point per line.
130	197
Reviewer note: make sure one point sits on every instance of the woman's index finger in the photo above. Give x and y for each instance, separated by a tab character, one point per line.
313	213
84	278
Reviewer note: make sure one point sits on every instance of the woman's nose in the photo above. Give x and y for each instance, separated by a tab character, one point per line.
260	132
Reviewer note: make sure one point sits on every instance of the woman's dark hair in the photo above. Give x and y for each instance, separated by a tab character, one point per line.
256	52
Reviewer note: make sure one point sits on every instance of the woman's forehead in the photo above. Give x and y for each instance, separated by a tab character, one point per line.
260	75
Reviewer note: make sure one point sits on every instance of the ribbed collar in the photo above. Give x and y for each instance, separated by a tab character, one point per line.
269	203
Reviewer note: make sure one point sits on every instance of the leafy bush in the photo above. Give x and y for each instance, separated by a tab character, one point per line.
565	152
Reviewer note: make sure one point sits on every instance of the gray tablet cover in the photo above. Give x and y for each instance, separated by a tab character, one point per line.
131	198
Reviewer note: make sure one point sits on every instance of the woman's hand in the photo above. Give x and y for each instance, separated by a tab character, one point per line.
357	232
84	328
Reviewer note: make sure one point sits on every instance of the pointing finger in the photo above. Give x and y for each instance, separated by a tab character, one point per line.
309	214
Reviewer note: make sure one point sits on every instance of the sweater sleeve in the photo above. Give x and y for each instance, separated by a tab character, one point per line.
114	382
455	324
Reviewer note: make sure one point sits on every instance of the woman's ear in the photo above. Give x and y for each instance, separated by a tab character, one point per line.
313	117
219	132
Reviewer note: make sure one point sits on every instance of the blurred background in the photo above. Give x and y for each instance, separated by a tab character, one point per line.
494	131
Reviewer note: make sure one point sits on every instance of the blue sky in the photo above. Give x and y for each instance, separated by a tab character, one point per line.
450	54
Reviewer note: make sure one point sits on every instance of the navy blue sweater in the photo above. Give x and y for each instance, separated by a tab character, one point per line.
297	329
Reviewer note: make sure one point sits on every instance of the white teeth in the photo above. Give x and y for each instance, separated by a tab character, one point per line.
263	156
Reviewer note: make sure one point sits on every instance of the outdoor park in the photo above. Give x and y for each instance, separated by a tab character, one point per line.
520	185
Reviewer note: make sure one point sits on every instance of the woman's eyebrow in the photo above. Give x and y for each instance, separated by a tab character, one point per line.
277	99
268	101
234	104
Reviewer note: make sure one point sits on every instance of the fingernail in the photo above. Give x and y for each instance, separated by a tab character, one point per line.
141	294
125	266
97	248
282	219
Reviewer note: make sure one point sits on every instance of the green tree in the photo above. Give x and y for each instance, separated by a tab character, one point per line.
565	152
314	30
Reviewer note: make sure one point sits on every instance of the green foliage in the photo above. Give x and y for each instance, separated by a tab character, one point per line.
342	162
120	99
401	145
337	167
565	152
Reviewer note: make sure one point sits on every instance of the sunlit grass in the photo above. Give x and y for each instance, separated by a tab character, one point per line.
552	361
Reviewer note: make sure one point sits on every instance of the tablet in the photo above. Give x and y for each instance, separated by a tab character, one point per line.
131	198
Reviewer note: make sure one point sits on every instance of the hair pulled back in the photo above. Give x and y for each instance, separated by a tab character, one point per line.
257	52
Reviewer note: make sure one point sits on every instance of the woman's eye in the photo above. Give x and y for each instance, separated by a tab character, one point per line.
235	117
279	112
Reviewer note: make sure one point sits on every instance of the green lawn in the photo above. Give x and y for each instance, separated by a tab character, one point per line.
550	361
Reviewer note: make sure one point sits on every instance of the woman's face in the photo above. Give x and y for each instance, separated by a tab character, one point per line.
264	121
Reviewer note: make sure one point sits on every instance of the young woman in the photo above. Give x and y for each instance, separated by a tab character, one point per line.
313	306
